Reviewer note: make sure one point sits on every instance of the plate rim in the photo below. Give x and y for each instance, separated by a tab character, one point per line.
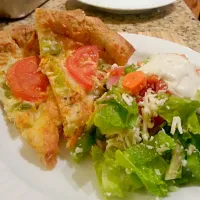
126	9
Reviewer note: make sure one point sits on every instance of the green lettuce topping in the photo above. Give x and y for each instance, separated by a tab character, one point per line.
185	109
50	47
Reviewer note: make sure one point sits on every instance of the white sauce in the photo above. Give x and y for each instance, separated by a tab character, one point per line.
176	71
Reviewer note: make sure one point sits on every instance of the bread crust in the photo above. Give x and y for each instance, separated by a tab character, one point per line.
87	30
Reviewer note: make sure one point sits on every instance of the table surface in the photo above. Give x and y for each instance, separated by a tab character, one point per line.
176	18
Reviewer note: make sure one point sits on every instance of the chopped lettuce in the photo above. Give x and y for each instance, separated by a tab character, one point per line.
113	115
150	177
108	173
111	118
130	68
185	109
132	182
193	163
85	142
175	168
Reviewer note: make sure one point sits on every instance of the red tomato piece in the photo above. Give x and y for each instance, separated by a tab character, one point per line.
26	81
82	65
155	84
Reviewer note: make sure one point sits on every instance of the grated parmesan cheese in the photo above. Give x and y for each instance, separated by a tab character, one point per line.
149	147
184	163
78	150
176	123
127	99
191	149
150	106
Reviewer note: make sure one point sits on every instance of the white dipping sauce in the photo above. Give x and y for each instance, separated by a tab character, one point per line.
176	71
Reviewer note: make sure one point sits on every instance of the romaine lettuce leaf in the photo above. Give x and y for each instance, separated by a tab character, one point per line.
146	173
111	118
113	115
175	168
185	109
108	173
193	163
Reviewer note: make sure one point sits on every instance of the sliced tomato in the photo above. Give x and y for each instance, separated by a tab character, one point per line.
26	81
82	65
155	84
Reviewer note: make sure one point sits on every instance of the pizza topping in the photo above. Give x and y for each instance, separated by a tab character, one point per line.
82	65
50	47
26	81
21	106
7	91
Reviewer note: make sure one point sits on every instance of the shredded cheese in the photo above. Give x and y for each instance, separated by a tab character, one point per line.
78	150
191	149
176	123
150	106
127	99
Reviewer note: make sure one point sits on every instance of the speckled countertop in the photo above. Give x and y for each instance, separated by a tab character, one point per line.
174	18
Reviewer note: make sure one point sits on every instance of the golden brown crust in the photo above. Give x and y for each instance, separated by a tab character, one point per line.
8	48
25	37
86	30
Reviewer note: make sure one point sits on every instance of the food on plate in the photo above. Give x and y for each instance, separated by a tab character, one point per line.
140	122
25	92
76	53
148	126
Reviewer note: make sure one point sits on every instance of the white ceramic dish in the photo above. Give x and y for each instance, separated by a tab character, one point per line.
127	6
23	178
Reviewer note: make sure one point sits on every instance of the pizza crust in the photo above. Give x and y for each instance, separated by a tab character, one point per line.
87	30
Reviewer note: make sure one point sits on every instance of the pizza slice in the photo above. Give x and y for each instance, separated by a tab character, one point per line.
73	47
25	92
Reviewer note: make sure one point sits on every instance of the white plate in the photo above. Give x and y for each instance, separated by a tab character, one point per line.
127	6
21	175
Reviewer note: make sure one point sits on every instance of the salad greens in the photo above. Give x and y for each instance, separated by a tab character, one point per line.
125	157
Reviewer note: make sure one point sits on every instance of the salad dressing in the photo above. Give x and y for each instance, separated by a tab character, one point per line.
176	71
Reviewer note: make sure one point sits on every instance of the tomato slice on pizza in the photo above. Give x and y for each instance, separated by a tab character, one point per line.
71	47
26	81
25	92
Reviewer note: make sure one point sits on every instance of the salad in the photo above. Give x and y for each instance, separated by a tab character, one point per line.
145	129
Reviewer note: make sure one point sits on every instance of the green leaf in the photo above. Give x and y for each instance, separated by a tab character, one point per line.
175	106
130	68
83	145
140	154
193	163
108	173
132	182
146	174
175	168
111	118
113	115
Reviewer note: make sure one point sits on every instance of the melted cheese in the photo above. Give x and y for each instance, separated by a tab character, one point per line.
176	71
